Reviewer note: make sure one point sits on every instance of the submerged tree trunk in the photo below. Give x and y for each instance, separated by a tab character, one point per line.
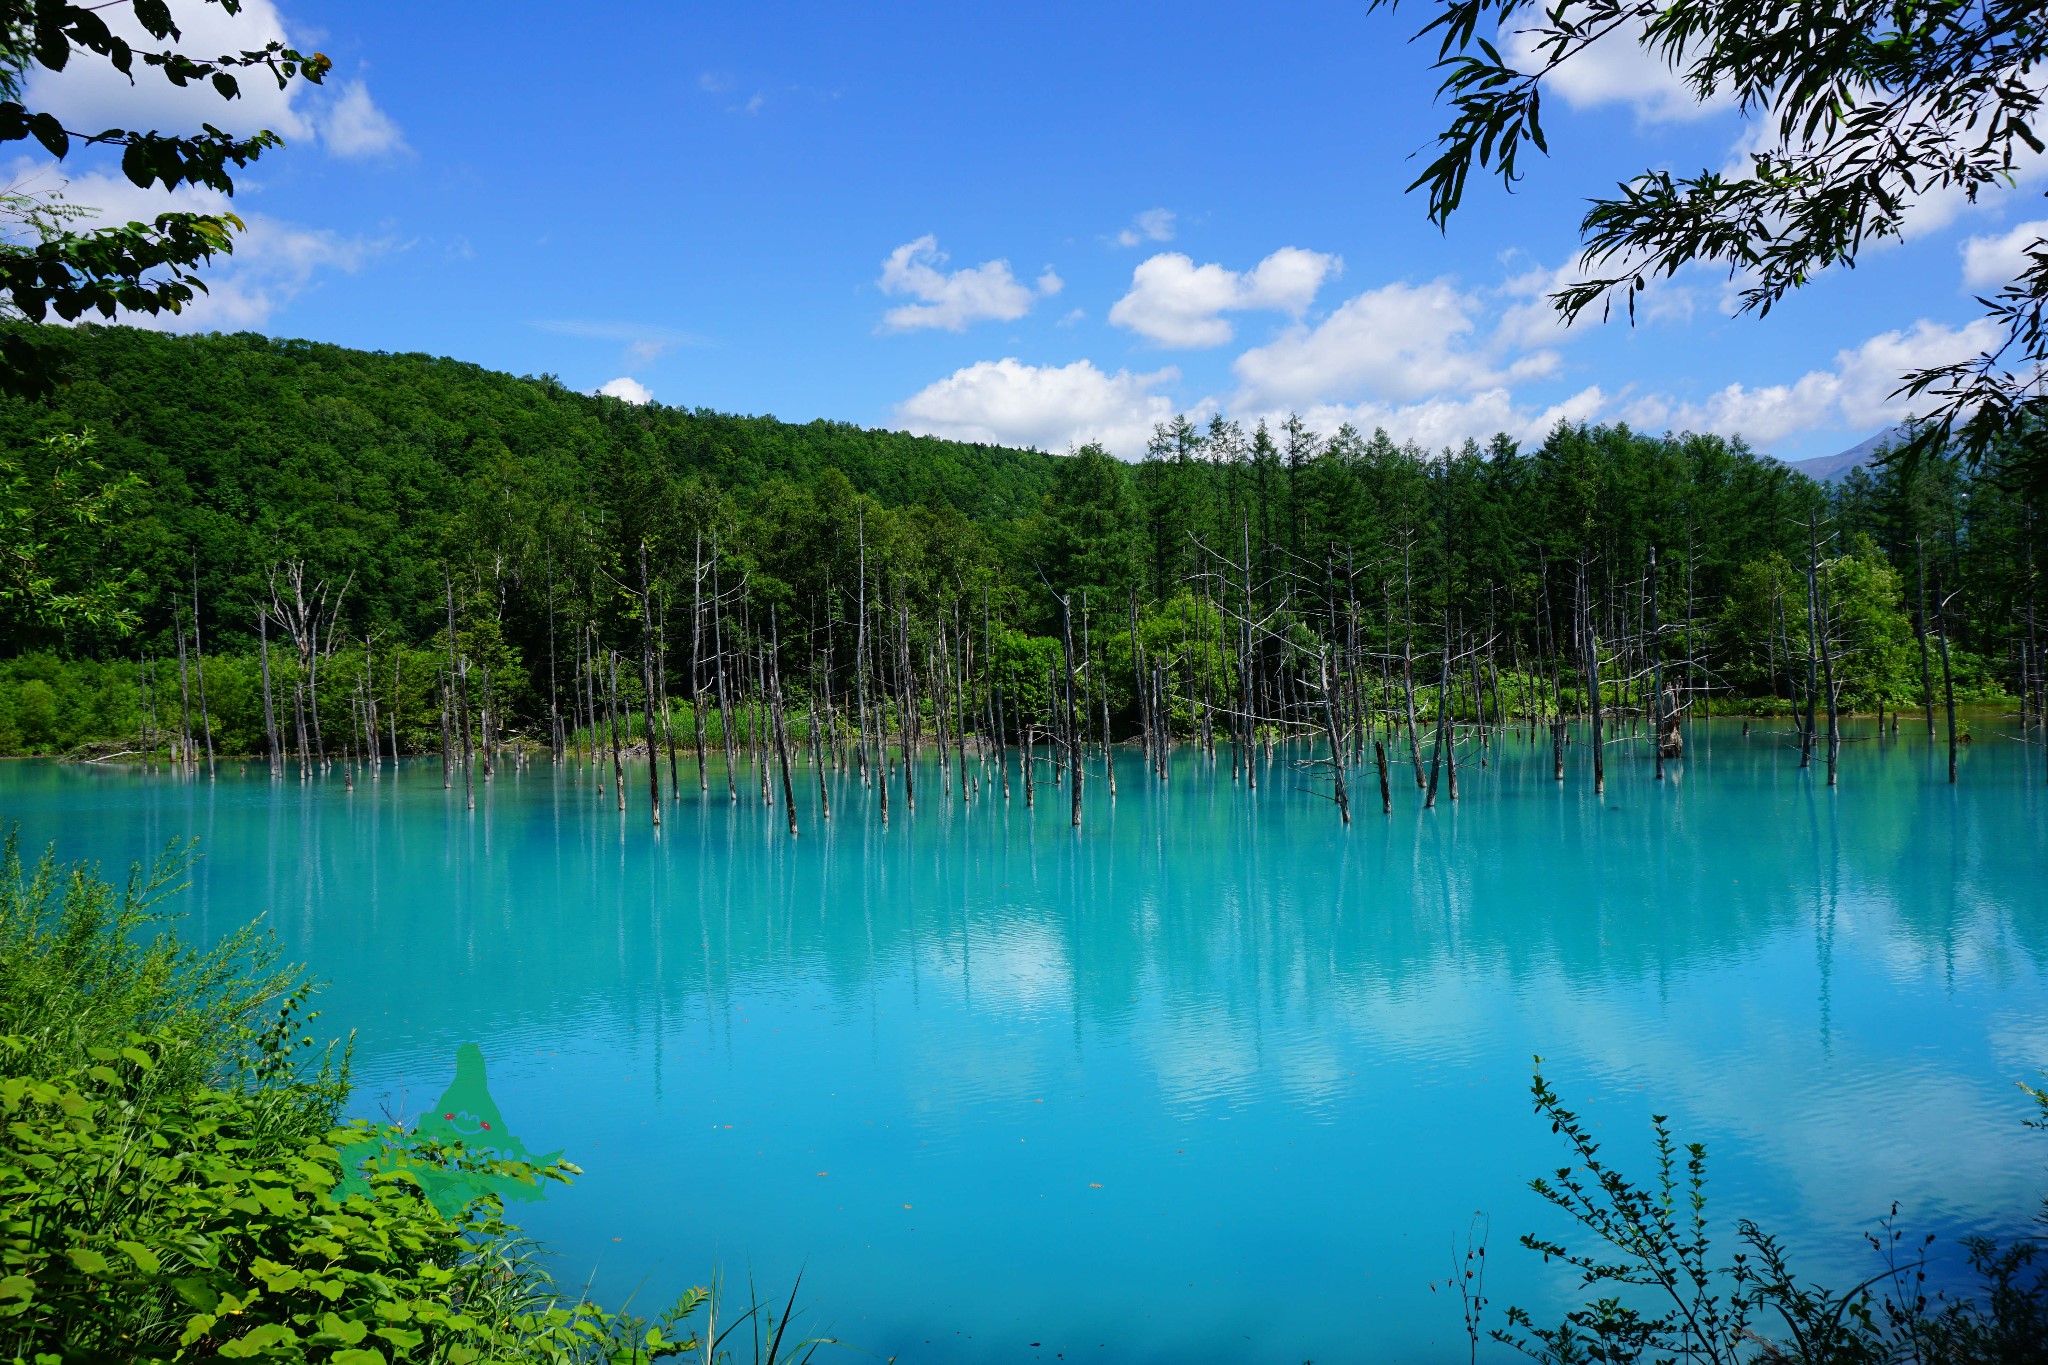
1948	682
1067	708
1336	744
647	691
775	715
612	711
185	750
269	710
1920	633
199	669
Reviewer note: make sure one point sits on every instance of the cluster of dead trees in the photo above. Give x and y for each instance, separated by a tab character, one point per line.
1335	667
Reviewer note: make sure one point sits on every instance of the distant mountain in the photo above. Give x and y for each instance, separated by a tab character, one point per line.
1827	468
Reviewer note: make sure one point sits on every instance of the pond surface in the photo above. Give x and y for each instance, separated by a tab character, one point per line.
1215	1078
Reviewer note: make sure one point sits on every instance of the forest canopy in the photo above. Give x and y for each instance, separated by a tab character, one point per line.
414	492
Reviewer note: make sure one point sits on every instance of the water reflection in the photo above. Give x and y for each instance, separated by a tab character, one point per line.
1216	1055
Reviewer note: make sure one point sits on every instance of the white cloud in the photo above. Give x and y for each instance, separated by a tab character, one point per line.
354	126
89	95
953	299
1398	342
1989	262
1617	69
626	388
1174	302
1008	402
1856	393
1153	225
1447	422
273	262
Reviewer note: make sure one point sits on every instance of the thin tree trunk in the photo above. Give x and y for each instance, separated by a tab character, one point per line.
269	710
199	670
647	691
612	712
1336	745
185	748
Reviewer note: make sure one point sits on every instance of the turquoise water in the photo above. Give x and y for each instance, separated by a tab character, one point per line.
1216	1078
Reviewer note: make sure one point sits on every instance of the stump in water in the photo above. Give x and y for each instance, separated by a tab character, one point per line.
1670	739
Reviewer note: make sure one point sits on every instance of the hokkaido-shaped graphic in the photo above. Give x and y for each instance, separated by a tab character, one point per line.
466	1116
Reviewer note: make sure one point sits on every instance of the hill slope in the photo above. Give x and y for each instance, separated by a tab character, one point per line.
252	447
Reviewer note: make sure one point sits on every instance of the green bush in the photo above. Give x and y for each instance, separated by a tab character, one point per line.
83	965
1669	1295
171	1169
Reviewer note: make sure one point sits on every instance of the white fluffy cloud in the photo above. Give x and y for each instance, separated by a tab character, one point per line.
354	126
1989	262
1449	421
273	262
628	389
953	299
1153	225
1614	70
1856	393
1174	302
1398	342
1008	402
89	95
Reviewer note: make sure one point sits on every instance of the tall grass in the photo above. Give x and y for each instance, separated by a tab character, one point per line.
86	964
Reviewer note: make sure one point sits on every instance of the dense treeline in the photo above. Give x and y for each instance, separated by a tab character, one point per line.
302	508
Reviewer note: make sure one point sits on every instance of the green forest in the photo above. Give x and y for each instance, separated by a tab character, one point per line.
236	506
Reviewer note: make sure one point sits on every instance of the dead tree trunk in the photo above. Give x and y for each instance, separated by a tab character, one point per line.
199	669
1067	708
775	715
1330	732
647	691
269	709
612	711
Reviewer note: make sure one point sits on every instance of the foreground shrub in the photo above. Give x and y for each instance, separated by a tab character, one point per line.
170	1171
134	1231
1669	1296
84	964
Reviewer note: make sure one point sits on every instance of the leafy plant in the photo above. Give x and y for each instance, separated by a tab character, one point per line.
84	964
1670	1296
170	1171
145	1231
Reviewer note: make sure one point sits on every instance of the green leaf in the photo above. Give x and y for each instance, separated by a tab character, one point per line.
338	1331
259	1339
51	134
88	1261
196	1292
145	1260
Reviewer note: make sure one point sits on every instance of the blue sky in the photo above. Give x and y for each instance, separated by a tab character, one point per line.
1037	224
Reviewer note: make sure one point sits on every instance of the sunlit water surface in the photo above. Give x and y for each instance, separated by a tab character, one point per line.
1215	1078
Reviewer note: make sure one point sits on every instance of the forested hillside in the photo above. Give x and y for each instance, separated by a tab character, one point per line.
356	498
385	467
